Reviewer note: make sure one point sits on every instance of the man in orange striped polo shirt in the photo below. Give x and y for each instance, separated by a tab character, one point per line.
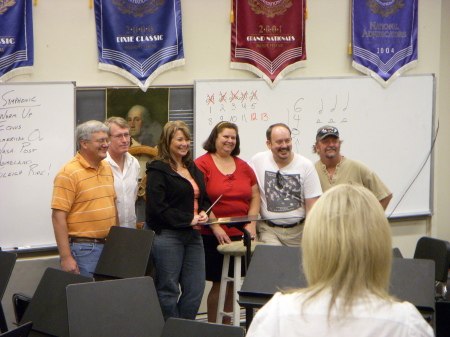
83	207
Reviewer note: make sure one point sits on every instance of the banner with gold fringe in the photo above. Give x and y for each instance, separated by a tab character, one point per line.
268	37
384	38
139	39
16	38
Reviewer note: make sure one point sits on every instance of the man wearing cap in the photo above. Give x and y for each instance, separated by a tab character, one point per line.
335	169
288	185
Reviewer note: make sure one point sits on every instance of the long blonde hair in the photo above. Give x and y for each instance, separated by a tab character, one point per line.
347	247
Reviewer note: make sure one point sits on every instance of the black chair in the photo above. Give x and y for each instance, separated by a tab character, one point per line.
7	262
20	304
48	306
439	251
176	327
125	307
21	331
126	254
442	319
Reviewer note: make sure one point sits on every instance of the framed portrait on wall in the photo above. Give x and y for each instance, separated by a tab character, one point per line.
146	112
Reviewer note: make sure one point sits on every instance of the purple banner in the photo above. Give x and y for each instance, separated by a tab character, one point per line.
139	39
16	39
384	38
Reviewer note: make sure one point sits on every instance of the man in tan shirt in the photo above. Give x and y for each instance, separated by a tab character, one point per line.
334	169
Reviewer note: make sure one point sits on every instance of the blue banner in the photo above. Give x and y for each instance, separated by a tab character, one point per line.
16	38
139	39
384	38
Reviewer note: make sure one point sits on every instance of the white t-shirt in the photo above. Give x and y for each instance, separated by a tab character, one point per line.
283	316
126	186
283	191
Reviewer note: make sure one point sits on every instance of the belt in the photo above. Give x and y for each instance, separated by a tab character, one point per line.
86	240
289	225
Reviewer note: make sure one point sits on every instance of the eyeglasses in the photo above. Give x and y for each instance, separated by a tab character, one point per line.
121	135
103	141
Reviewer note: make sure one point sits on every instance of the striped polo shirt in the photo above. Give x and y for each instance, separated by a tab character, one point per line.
87	194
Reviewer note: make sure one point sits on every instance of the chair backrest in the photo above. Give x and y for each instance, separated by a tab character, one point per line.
437	250
125	307
176	327
126	254
7	262
21	331
48	306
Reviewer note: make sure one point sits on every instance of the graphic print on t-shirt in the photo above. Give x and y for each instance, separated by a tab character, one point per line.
283	191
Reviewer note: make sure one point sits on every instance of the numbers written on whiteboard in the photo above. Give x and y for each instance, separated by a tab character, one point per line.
252	117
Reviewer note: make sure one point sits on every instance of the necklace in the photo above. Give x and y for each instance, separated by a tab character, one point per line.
175	169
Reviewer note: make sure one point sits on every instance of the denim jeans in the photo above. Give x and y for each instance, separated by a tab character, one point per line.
86	255
180	265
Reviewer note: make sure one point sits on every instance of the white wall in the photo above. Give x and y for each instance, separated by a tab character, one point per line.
441	220
66	50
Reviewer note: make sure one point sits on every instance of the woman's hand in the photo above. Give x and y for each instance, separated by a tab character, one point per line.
220	234
195	220
202	217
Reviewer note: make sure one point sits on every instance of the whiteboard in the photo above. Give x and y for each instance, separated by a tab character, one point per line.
389	129
37	122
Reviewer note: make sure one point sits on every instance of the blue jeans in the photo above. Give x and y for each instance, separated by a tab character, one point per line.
86	255
179	264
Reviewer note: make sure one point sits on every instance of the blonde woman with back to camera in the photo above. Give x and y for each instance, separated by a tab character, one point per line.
347	257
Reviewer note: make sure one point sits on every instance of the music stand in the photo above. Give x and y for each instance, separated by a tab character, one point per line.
413	280
239	222
21	331
126	254
126	307
273	268
48	306
7	262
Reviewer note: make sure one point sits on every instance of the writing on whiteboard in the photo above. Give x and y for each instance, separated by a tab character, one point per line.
20	140
244	106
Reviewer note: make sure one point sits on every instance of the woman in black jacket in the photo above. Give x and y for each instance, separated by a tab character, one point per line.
176	202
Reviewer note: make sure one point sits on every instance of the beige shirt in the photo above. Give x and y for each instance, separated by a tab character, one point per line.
350	171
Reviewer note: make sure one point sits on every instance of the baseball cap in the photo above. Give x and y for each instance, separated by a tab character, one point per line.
326	131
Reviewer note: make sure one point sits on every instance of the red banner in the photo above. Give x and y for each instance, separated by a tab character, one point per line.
268	37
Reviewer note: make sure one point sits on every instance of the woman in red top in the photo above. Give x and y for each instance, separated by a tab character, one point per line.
234	180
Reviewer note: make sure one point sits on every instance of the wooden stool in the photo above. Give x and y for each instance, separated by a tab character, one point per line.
238	250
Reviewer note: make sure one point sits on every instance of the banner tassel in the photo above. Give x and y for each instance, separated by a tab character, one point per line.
232	13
